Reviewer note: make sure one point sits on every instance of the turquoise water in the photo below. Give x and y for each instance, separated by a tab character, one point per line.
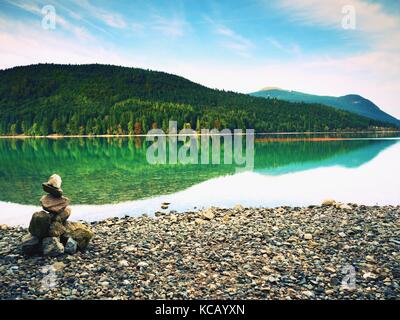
114	175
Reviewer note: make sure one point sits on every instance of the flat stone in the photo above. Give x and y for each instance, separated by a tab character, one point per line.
308	236
328	202
208	214
40	224
58	266
369	275
142	264
123	263
52	190
330	269
370	258
238	207
53	204
345	207
309	294
199	221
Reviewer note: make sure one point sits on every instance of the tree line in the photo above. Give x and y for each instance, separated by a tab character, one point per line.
99	99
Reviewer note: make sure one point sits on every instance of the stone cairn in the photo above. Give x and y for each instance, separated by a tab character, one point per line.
50	234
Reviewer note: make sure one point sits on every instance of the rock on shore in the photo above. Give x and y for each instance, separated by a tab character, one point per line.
49	229
239	253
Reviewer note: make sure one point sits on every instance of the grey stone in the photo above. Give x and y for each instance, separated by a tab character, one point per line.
52	247
71	246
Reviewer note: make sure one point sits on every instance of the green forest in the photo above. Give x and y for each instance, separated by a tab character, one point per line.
98	99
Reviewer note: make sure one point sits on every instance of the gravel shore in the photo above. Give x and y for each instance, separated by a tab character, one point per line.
238	253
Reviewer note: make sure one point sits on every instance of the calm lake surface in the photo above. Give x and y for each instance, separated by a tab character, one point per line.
111	176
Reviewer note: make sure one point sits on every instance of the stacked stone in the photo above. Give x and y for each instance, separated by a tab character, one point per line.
50	233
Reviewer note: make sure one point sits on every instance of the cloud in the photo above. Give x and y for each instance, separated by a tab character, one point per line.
374	73
287	48
36	9
32	7
79	17
372	21
24	43
239	44
174	27
111	19
324	76
371	16
230	39
80	32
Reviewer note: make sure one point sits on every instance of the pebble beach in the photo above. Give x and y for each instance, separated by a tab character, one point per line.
318	252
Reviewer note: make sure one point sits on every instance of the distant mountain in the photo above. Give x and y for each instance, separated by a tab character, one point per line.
352	102
103	99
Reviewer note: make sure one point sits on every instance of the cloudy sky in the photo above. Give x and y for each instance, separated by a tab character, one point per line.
227	44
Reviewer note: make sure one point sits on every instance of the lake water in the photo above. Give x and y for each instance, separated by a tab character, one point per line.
111	177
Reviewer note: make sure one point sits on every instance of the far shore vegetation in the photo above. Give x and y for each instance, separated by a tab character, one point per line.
378	131
93	100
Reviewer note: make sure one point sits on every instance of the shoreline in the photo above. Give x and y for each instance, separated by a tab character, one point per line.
55	136
236	253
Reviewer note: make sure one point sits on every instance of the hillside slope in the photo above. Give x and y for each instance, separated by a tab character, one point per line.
101	99
352	103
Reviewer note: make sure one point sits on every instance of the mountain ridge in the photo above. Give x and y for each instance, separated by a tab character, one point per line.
351	102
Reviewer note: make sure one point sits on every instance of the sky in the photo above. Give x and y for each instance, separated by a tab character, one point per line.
333	47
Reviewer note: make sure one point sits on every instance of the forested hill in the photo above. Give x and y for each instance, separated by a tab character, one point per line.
99	99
